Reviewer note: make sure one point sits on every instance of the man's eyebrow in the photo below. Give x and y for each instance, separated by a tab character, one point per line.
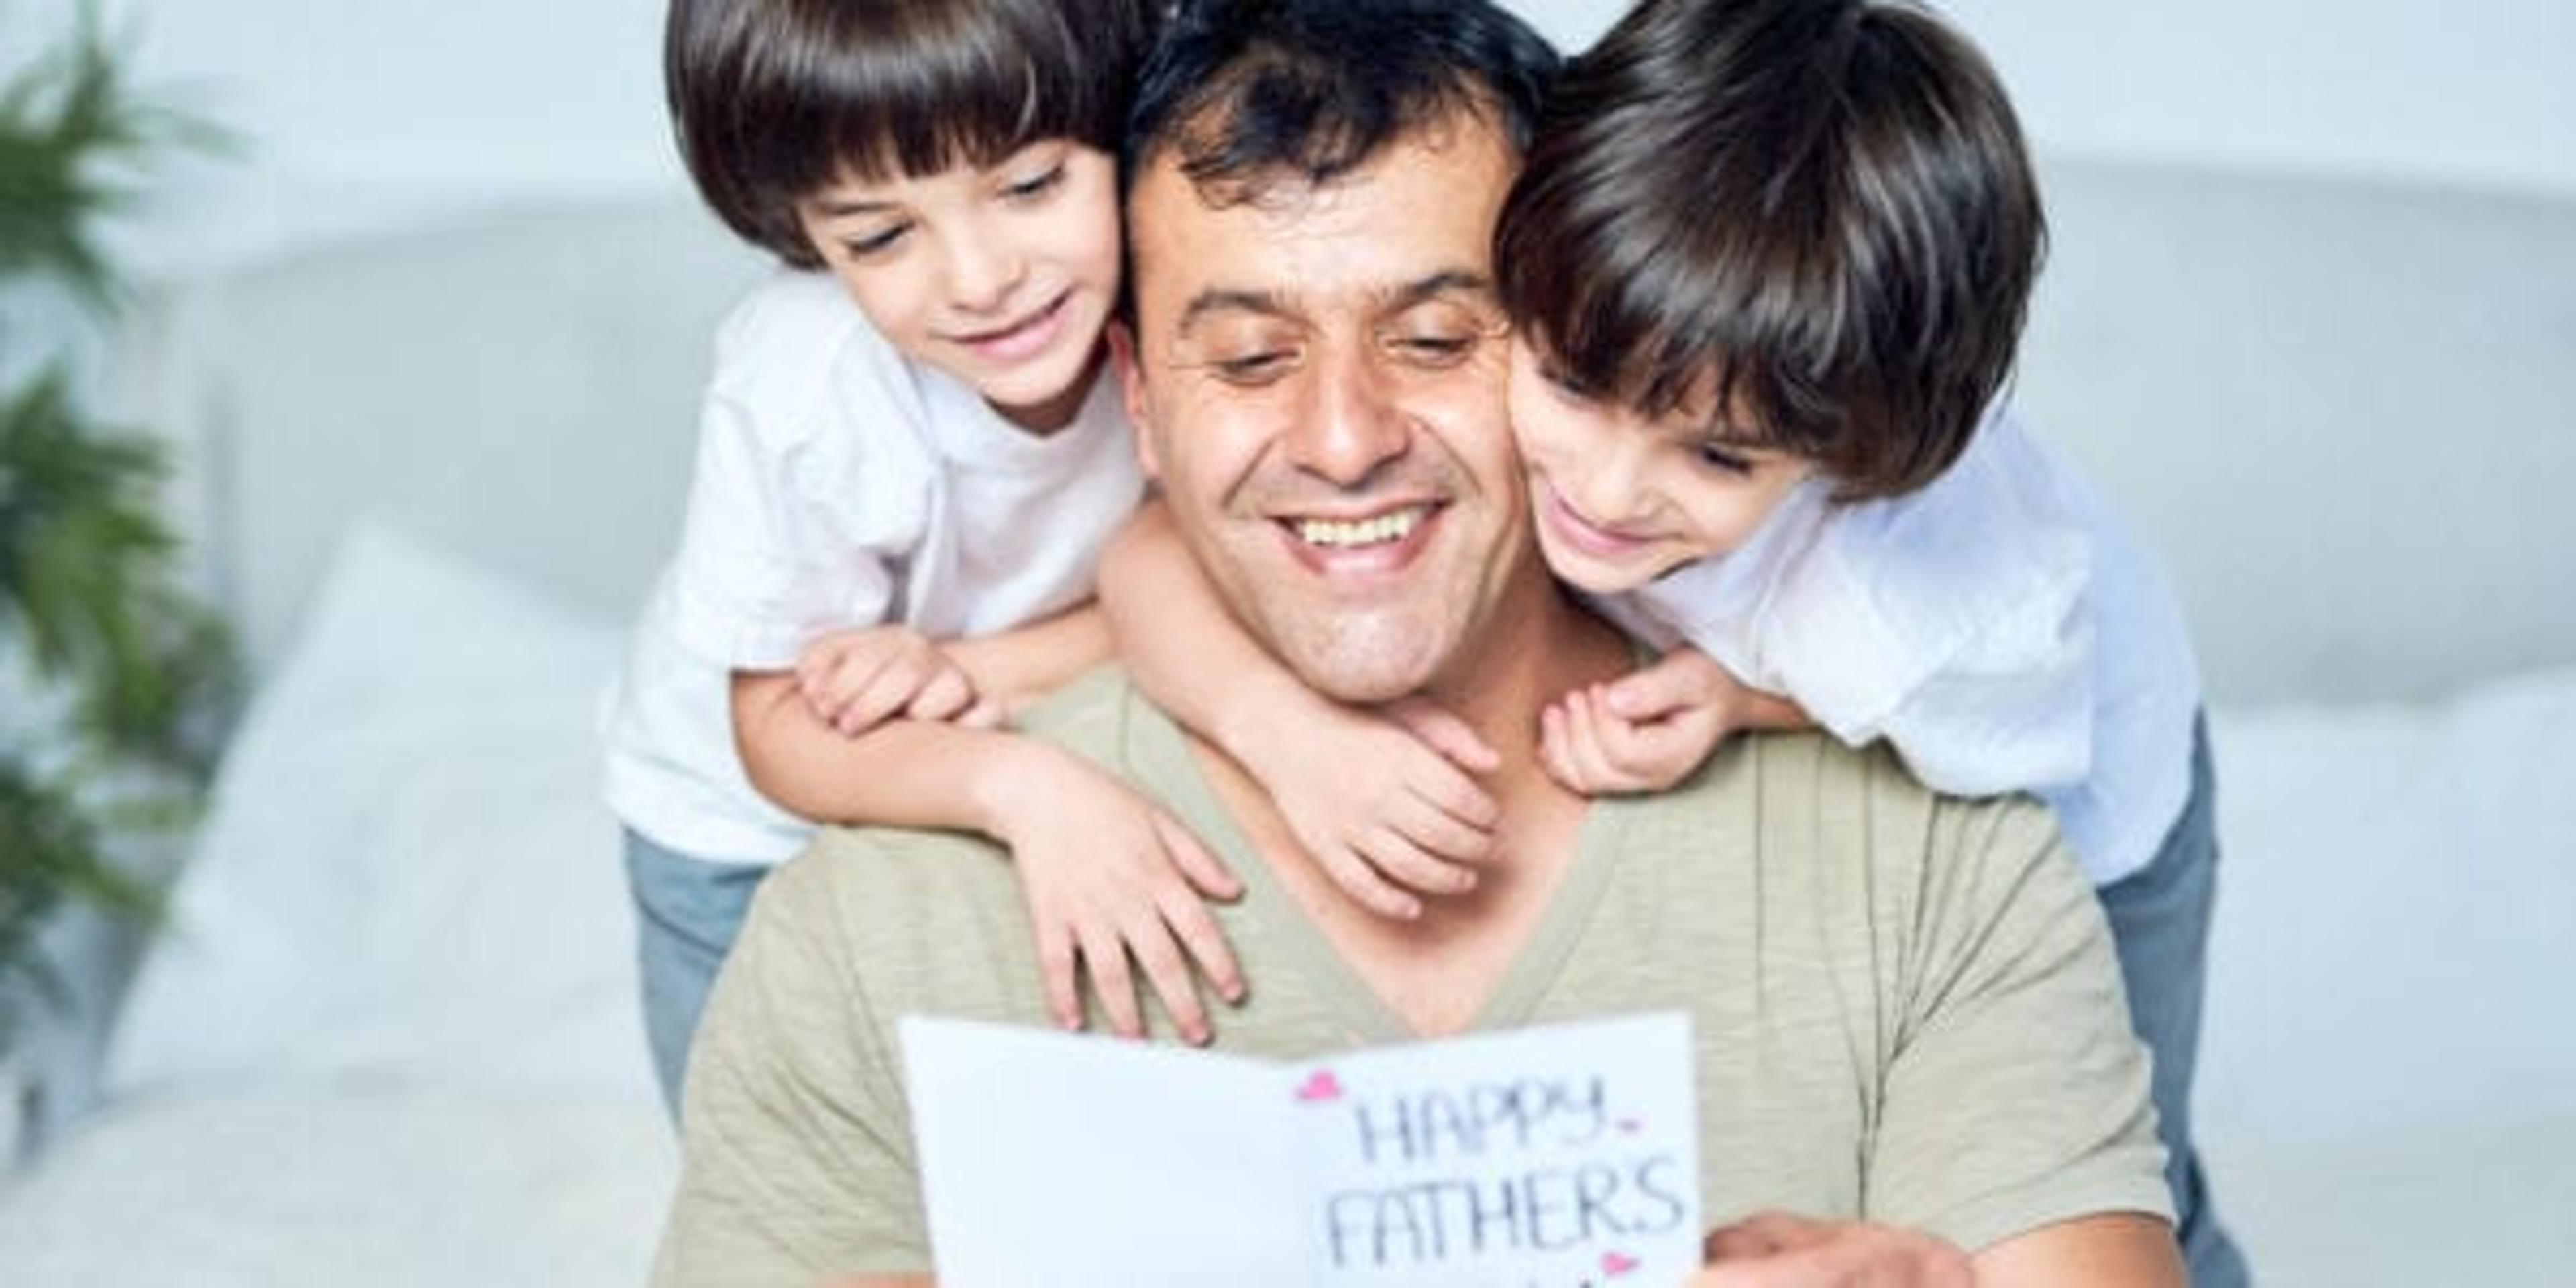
1446	282
1222	300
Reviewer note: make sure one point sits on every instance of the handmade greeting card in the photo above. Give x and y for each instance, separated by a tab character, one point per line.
1556	1157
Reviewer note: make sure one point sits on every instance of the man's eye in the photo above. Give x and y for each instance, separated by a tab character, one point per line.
1260	368
1435	350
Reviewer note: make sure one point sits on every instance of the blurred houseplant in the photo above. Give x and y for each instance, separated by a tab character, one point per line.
111	674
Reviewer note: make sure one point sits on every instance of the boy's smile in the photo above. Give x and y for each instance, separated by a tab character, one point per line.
1622	499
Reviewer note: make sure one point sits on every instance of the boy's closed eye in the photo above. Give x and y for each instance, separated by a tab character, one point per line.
866	245
1031	186
1724	457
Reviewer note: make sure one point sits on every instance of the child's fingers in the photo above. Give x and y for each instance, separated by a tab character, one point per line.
1111	979
1151	945
1566	748
1409	866
837	688
885	694
985	714
1059	968
1553	755
1437	831
1658	755
1445	733
1682	679
1205	943
1449	788
945	695
1583	745
1365	887
1631	749
1205	872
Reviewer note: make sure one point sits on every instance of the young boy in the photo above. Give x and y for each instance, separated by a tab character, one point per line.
1767	265
909	461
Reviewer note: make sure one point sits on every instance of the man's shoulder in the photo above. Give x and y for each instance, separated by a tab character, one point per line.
1816	801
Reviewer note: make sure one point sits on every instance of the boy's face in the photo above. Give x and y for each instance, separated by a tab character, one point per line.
1002	277
1620	499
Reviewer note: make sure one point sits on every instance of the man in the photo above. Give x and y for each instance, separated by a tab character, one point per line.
1906	1009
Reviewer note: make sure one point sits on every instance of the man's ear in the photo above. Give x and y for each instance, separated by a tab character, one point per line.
1131	382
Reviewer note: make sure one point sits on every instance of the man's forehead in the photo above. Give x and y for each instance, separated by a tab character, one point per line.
1414	221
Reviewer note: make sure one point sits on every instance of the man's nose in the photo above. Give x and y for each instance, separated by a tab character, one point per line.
1351	422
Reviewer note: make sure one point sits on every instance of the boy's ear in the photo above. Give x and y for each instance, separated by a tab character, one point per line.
1131	383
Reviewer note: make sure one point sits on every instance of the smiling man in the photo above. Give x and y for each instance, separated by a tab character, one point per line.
1908	1017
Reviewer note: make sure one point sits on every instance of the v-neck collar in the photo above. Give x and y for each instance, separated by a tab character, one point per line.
1156	749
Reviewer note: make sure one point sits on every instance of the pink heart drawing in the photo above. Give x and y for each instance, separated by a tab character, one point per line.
1319	1086
1617	1263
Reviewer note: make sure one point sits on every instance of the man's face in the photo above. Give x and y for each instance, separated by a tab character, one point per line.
1318	382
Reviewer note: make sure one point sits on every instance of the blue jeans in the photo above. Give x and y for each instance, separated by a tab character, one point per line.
688	912
2160	924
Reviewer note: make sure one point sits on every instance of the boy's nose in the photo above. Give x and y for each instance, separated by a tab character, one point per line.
1609	485
981	274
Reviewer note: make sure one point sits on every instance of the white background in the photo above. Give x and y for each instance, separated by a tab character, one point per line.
385	113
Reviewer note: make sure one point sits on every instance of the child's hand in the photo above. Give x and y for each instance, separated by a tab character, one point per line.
1387	804
1110	879
856	680
1643	733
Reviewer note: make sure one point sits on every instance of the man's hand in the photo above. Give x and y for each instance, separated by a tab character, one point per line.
1112	884
1645	732
1386	802
856	680
1778	1250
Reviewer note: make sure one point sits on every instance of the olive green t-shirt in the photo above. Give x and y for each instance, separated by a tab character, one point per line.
1906	1006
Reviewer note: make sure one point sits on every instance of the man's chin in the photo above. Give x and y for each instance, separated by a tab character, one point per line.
1366	664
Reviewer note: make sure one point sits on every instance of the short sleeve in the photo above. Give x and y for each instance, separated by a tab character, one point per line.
797	1159
765	563
2010	710
2017	1095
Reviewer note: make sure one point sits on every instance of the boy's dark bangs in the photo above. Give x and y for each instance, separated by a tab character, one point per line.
954	85
1666	301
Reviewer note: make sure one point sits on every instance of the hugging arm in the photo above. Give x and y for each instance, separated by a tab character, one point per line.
891	730
1385	800
1651	728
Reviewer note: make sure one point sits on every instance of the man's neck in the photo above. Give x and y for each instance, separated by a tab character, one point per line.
1436	972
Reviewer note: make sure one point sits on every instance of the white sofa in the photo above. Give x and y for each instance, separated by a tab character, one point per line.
390	1029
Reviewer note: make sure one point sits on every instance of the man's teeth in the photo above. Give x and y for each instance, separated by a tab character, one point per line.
1393	526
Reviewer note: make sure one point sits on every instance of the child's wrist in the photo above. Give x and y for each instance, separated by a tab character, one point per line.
1014	784
1247	729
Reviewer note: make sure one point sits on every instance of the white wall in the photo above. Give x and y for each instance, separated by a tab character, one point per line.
393	111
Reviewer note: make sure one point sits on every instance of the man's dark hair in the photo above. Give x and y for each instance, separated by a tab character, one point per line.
773	100
1248	93
1824	204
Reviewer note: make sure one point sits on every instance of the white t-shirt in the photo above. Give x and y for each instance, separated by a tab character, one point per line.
1998	627
839	485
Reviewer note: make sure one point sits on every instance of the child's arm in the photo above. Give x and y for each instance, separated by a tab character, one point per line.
1017	667
1649	729
1386	802
1106	873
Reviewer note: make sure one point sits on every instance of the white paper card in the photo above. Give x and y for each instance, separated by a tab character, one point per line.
1556	1157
